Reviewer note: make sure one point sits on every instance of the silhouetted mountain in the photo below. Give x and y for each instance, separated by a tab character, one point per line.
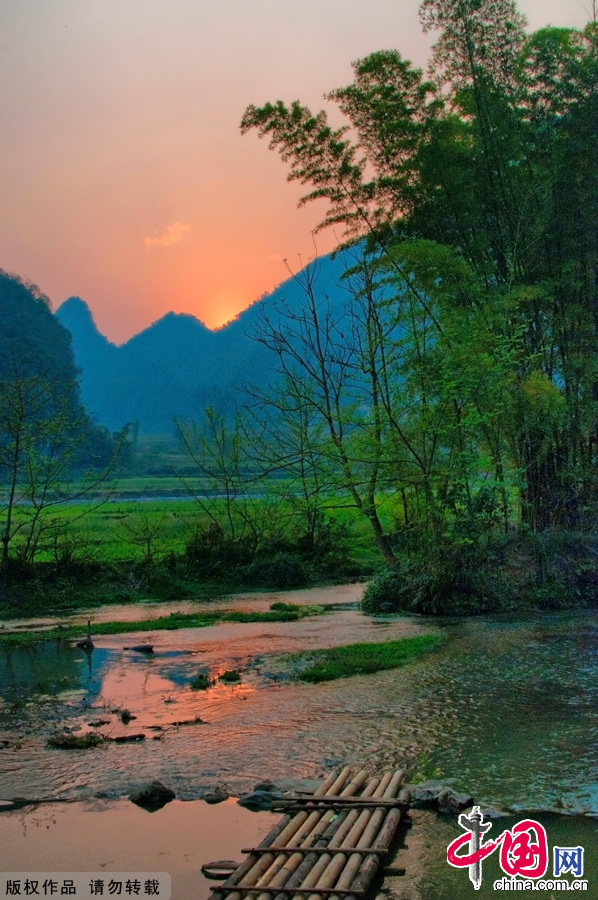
177	366
94	354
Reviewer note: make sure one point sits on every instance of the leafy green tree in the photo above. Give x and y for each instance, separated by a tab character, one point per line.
477	191
43	426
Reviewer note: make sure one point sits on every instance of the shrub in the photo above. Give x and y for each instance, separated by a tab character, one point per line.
283	570
201	682
550	570
67	741
231	676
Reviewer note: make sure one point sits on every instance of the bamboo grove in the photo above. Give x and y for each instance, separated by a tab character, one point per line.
463	376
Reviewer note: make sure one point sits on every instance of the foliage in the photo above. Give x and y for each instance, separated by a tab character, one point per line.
469	388
551	570
231	676
282	571
46	437
67	741
201	682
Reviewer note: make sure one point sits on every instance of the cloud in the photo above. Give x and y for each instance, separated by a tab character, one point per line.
173	234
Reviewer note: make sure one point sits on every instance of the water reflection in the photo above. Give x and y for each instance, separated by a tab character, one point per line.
507	708
50	669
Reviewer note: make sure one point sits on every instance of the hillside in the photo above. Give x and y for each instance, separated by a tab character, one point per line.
177	366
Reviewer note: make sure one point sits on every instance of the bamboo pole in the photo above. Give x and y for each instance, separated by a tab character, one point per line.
367	828
315	824
363	831
371	863
360	869
283	830
253	868
317	863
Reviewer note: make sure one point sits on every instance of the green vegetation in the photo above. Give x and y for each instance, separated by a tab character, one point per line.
447	408
201	682
165	623
362	659
462	377
231	676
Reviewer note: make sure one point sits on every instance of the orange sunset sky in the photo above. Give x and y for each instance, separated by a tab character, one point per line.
124	177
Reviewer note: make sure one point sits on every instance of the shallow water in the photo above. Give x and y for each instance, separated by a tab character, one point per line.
121	837
506	709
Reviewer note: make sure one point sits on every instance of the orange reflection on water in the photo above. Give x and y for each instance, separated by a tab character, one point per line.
121	837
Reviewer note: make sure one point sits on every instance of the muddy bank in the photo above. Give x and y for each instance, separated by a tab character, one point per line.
330	595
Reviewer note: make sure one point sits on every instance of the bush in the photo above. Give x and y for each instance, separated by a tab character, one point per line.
283	570
209	551
201	682
231	676
550	570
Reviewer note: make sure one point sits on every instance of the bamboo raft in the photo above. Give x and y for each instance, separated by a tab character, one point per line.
328	844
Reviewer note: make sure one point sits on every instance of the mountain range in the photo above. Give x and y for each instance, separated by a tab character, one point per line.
177	366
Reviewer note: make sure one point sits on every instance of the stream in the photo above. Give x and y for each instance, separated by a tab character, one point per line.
507	709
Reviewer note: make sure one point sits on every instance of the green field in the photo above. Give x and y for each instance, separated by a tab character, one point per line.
143	508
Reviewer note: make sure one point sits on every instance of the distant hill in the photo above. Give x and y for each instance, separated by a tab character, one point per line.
34	345
177	366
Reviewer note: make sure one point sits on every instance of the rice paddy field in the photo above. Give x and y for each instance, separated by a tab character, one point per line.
145	516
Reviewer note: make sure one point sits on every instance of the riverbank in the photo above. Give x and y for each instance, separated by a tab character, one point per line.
506	708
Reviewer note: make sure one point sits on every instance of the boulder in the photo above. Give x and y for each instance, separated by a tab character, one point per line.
217	795
152	796
435	795
259	800
450	802
265	786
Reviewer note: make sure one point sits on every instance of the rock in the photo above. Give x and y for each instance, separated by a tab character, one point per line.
152	796
435	795
216	796
68	741
297	785
450	802
489	812
126	716
265	786
85	644
257	801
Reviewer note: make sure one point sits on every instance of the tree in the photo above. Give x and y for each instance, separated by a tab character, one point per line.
43	427
326	408
477	190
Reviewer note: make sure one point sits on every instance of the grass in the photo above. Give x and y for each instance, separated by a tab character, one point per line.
165	623
363	659
109	531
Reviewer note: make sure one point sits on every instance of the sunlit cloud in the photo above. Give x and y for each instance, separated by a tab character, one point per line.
173	234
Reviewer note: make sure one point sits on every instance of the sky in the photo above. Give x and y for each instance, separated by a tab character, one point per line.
124	178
